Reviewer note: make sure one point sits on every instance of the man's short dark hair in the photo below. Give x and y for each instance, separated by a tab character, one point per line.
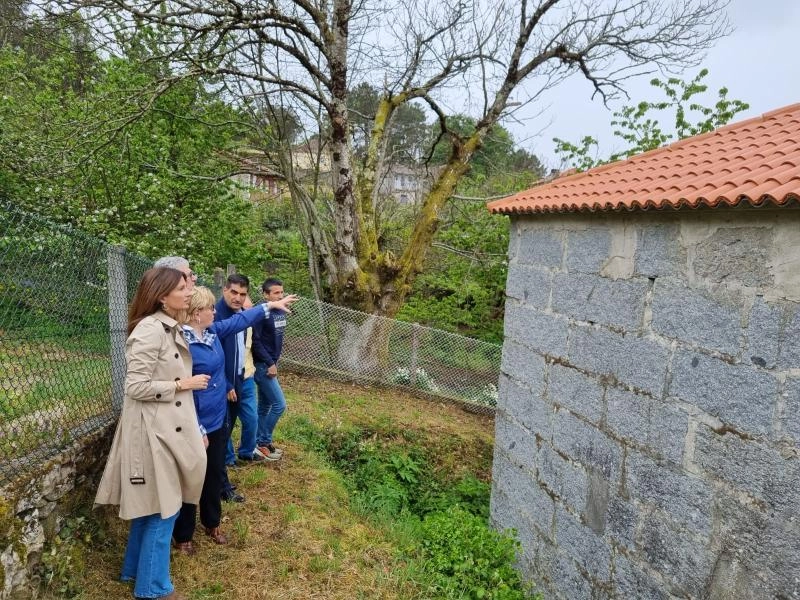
269	282
238	279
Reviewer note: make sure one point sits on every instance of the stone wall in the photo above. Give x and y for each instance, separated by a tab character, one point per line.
648	429
32	510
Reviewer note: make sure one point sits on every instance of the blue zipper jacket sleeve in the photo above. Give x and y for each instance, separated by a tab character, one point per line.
239	321
229	341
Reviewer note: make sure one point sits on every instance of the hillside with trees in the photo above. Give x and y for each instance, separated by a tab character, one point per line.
130	121
303	59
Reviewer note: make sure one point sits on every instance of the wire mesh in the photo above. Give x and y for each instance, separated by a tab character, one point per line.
63	314
55	336
335	341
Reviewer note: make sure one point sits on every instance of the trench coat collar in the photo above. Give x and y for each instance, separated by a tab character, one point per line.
170	326
164	318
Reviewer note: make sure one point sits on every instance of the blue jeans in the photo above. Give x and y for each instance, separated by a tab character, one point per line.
147	556
271	404
245	410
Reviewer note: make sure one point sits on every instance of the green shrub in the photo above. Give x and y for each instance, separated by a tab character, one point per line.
386	498
442	525
388	471
385	480
345	446
470	493
466	559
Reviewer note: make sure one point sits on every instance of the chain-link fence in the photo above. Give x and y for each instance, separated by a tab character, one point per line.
338	342
63	321
56	330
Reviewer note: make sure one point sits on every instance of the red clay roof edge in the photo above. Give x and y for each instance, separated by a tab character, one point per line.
499	206
621	206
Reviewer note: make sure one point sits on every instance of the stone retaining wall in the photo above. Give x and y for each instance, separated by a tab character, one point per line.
32	510
648	428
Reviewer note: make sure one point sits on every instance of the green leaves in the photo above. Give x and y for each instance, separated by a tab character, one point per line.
582	156
462	289
466	559
386	479
639	126
441	519
405	468
121	149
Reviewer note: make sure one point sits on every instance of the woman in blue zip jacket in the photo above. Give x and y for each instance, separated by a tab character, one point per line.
203	335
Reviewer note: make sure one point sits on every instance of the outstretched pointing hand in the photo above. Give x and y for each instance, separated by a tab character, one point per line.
284	303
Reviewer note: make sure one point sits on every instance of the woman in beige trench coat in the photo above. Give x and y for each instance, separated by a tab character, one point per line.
157	460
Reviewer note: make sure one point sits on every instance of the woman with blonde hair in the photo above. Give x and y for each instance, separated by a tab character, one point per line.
157	460
203	335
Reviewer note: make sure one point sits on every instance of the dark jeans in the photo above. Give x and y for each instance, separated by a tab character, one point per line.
210	501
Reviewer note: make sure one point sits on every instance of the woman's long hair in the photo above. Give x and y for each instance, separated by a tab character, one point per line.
155	284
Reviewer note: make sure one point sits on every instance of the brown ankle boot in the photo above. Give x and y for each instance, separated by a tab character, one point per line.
186	548
216	535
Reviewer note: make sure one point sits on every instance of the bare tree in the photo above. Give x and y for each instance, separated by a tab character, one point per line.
452	55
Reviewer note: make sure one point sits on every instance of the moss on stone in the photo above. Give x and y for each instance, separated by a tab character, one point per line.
10	529
87	456
6	513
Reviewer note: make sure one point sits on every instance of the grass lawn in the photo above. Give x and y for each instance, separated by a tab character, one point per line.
45	392
298	535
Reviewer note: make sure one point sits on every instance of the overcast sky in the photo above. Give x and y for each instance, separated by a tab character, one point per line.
758	62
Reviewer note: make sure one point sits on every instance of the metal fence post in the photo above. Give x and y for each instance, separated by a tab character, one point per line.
118	321
218	279
326	333
414	350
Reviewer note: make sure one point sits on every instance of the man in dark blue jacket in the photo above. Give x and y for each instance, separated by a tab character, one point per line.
267	347
241	398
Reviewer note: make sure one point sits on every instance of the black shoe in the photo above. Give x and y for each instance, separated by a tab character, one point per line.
231	496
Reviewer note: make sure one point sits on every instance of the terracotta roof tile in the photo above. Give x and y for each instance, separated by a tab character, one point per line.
756	161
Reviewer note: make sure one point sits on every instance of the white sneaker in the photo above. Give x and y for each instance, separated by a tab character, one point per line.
270	453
